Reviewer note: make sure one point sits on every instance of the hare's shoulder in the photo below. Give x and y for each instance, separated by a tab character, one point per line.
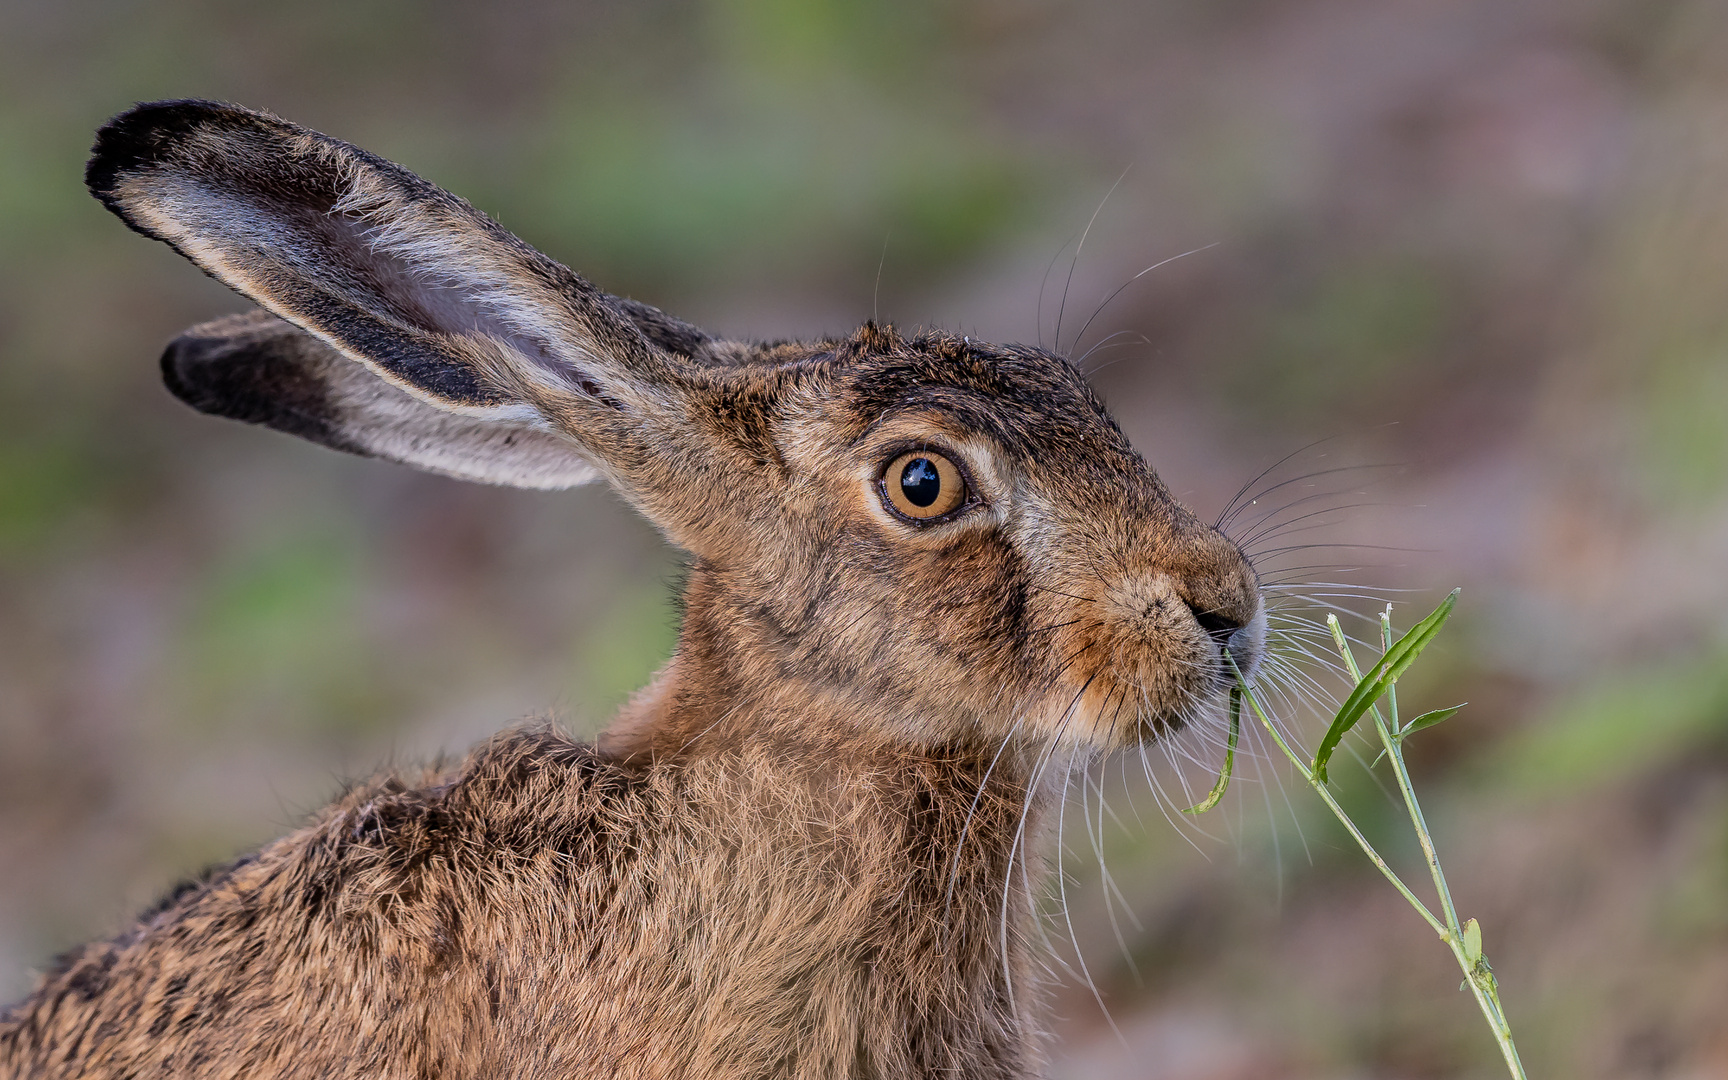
522	794
392	888
525	804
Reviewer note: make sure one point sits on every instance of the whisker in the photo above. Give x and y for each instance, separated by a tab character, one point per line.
1020	831
1350	547
1052	626
1133	804
1099	310
1287	526
1068	917
1273	831
1224	515
1336	568
1167	804
1224	522
1059	592
1060	308
966	828
1110	889
1284	792
1038	313
1106	343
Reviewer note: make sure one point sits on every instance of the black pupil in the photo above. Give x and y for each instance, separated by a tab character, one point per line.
920	482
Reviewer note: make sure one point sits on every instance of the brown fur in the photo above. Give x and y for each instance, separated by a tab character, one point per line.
801	850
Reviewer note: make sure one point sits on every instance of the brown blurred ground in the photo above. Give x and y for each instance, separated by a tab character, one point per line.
1486	240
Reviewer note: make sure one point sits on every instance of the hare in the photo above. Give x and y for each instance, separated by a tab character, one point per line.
927	574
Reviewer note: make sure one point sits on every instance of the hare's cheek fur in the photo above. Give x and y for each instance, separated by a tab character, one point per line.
1164	663
1145	600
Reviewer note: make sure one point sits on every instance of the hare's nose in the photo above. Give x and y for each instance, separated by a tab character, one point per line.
1220	590
1235	621
1220	625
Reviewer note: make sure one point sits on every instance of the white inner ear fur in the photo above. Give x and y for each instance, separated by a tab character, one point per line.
509	444
465	279
420	266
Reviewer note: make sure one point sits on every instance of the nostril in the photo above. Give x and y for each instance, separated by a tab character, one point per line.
1220	626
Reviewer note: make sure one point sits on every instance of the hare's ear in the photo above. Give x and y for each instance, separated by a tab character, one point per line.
429	294
259	369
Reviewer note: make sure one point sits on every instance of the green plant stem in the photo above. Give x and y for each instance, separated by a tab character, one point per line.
1475	973
1332	804
1480	982
1395	752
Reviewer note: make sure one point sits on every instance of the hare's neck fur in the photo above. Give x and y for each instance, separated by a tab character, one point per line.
862	902
746	672
843	911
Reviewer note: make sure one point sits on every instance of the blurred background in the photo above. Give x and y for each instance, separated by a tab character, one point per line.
1473	251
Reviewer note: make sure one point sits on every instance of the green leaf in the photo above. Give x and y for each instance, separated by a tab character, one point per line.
1218	789
1397	660
1429	719
1472	943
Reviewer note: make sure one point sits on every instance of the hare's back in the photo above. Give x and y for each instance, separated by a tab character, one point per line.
394	932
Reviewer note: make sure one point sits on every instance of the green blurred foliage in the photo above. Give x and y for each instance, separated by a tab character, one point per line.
803	126
1615	728
44	483
1685	431
1346	337
276	639
1690	912
625	644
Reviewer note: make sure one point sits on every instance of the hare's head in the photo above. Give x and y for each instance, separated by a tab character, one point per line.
931	535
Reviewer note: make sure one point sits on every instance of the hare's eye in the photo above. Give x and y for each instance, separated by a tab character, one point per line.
922	485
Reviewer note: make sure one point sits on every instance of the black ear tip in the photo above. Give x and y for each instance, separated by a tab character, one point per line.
187	365
142	135
256	369
177	359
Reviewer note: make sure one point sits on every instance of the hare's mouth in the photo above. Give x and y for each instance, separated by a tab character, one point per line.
1138	680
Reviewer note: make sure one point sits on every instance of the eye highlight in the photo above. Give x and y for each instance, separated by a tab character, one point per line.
923	485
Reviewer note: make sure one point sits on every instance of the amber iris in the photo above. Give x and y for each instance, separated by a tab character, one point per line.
922	485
